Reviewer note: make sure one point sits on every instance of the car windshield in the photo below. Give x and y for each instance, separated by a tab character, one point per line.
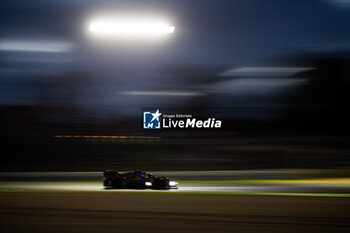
150	175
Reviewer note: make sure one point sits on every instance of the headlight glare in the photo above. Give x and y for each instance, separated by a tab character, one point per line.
172	183
148	183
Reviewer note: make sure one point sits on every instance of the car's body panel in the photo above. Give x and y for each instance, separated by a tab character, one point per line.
136	179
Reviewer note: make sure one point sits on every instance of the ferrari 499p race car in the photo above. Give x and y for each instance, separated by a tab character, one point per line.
136	179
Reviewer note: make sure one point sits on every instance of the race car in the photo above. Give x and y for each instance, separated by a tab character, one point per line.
137	180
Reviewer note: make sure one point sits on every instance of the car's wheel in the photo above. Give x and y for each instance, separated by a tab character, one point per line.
112	179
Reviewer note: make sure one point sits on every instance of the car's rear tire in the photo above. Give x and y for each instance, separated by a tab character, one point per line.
112	179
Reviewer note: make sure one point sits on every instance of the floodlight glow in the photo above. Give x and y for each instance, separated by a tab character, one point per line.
129	28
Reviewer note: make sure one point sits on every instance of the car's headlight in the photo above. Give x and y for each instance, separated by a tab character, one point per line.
148	183
172	183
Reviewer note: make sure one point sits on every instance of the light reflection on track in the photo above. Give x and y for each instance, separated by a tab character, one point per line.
193	187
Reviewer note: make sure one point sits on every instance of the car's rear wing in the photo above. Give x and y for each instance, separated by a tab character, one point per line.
111	173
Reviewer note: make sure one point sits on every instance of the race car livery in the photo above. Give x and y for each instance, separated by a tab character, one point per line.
137	180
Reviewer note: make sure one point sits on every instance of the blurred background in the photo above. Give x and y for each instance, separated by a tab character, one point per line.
275	72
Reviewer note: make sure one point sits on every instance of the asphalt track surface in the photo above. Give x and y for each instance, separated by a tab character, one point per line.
137	212
196	182
59	202
193	187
